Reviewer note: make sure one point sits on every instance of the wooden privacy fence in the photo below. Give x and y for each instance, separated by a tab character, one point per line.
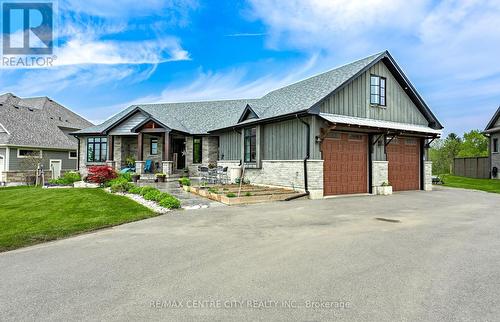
475	167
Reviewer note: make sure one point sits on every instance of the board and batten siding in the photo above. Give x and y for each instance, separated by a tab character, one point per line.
125	127
16	164
285	140
354	100
230	146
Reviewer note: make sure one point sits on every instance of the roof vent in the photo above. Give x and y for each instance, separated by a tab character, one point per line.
30	109
15	106
60	118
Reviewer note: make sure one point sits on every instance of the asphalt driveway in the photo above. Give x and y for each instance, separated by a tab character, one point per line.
300	260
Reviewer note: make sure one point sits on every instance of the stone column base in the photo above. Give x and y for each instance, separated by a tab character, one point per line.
139	167
380	178
428	175
167	167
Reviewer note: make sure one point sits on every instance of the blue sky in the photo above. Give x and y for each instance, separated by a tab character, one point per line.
115	53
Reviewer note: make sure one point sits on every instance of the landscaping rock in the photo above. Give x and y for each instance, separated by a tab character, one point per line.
83	184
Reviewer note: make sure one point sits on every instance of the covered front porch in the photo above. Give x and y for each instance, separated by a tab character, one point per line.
153	148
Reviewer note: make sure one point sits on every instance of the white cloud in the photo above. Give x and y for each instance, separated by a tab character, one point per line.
232	84
323	23
81	51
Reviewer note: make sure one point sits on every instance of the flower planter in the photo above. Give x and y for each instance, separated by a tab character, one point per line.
161	178
136	178
383	190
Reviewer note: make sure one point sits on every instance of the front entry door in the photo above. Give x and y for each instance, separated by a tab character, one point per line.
179	148
55	166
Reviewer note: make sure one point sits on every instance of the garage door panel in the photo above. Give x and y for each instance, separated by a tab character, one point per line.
403	155
345	165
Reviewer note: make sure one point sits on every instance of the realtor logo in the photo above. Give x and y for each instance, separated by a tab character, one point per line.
27	28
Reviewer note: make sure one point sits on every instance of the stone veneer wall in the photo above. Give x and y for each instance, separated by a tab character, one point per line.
209	154
288	174
146	151
19	177
428	175
380	174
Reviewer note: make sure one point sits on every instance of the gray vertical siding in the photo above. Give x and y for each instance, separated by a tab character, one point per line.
126	126
16	164
284	140
354	100
230	145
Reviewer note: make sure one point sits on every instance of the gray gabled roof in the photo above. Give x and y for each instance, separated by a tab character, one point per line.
37	122
208	116
492	127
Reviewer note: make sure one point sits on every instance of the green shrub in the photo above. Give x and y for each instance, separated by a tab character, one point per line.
122	178
230	195
67	179
122	187
248	194
213	190
152	195
147	189
170	202
185	181
135	190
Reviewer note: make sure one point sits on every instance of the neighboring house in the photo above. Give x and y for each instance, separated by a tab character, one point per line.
493	132
36	130
353	128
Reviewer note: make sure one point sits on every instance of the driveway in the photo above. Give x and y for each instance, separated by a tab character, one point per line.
300	260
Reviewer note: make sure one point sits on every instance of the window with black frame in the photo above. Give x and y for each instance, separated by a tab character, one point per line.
154	146
197	149
250	145
377	90
97	149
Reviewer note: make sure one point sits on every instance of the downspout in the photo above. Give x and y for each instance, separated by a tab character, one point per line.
308	153
78	155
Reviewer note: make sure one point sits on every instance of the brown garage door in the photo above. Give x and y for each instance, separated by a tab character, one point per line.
345	164
403	155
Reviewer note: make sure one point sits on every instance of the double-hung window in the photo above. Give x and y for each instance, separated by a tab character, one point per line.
250	145
495	145
377	90
154	146
97	149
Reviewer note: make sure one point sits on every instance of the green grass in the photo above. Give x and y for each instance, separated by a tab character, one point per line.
33	215
489	185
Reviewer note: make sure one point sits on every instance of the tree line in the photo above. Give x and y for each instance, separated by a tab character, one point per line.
443	151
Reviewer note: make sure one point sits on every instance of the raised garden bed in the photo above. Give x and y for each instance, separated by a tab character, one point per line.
249	194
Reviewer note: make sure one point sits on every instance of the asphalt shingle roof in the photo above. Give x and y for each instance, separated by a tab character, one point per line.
38	122
202	117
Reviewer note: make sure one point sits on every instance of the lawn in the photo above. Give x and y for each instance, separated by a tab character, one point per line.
488	185
34	215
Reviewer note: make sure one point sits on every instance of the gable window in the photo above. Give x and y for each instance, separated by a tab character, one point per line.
250	144
197	149
495	145
72	155
28	153
97	149
154	146
377	90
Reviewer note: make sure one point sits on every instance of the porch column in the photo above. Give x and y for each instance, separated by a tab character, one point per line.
166	146
167	165
110	159
139	147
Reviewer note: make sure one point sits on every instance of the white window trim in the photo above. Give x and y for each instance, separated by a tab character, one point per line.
72	158
24	157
